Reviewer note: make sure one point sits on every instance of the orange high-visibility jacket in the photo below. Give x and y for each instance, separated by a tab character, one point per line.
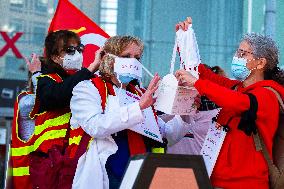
50	129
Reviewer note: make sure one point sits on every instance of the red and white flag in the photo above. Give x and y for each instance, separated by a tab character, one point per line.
69	17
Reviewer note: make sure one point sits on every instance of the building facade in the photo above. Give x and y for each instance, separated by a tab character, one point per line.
217	25
256	23
32	18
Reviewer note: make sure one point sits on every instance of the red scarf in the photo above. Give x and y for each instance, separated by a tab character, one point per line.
135	141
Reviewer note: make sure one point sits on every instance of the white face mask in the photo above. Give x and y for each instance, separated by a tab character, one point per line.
73	62
127	69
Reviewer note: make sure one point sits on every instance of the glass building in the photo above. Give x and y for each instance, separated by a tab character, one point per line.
255	22
217	25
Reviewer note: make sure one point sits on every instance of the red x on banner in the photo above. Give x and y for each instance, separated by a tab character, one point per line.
10	43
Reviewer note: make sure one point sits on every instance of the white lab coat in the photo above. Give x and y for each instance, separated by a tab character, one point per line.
87	112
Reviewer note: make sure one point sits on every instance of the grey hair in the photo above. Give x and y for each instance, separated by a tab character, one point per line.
265	47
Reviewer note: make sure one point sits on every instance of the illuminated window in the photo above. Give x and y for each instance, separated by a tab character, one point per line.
41	5
15	68
17	25
108	16
39	32
17	3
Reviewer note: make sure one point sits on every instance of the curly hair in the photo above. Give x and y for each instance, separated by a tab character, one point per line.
115	46
264	47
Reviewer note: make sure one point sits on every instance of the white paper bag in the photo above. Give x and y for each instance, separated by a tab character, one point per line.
174	99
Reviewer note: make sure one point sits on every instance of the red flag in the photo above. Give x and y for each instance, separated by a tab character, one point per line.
69	17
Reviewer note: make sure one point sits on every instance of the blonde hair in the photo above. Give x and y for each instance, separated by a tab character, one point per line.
116	45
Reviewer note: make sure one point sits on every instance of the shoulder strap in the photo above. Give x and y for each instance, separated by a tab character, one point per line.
274	172
278	97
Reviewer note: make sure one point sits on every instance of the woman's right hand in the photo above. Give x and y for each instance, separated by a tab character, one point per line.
185	78
94	66
147	98
184	25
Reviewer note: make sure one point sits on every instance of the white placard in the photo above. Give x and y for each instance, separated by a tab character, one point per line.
128	66
173	99
3	135
149	127
212	146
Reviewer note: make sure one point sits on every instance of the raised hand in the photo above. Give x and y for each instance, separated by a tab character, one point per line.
94	66
185	78
147	98
184	25
34	65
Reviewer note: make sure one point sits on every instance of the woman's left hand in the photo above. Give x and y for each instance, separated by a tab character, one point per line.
185	78
35	64
147	98
94	66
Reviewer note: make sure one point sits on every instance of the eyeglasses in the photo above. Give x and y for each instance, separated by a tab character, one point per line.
71	49
241	53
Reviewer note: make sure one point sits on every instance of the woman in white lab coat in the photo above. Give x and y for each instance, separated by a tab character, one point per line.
107	119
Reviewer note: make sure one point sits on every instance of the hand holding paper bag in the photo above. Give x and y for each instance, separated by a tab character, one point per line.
185	78
172	98
184	25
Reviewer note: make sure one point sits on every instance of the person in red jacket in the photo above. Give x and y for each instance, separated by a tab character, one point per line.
255	66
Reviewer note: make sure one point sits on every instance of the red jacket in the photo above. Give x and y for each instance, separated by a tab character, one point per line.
239	165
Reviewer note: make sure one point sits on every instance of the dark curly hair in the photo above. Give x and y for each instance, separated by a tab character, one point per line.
58	40
55	42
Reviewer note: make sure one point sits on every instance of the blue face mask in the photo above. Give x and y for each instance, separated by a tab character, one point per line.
126	78
239	68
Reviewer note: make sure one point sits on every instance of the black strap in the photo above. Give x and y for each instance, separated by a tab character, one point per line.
248	118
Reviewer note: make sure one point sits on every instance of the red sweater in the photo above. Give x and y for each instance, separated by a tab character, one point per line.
239	165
